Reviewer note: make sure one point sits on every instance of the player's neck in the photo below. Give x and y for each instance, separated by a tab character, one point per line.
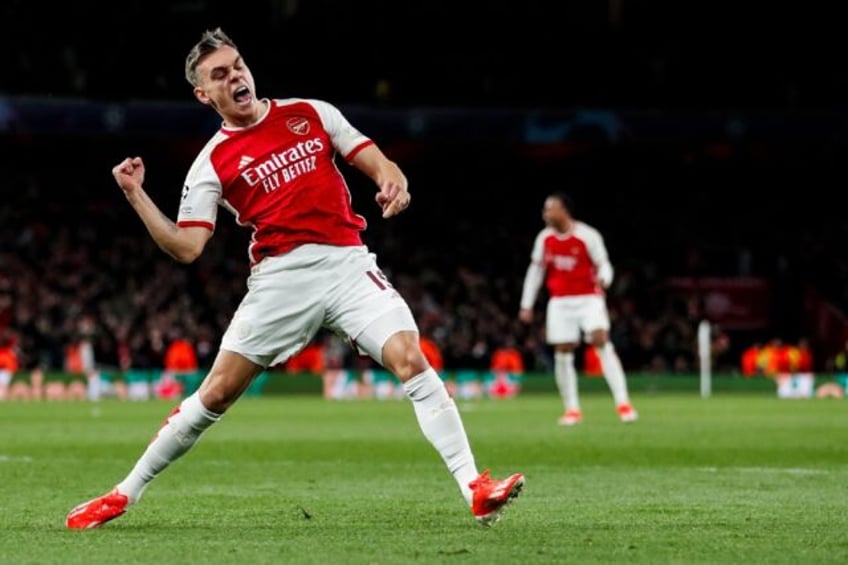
240	121
564	227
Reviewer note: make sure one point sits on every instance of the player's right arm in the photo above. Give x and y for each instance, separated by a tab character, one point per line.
533	279
184	244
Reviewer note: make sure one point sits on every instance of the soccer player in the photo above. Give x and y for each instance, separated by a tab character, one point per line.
272	164
570	257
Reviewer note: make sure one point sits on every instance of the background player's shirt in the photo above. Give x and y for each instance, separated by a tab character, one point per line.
279	177
570	259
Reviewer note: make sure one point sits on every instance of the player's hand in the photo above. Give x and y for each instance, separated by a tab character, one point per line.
393	198
129	174
525	315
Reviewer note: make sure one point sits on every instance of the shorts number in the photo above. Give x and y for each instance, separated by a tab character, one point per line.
378	278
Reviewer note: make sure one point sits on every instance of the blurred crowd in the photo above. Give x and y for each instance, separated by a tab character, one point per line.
77	265
59	285
87	275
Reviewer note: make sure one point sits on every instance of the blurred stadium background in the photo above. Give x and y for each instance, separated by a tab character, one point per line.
705	140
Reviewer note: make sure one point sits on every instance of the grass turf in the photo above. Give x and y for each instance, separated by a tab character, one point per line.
737	478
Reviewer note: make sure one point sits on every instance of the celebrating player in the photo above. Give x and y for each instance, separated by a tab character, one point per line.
272	164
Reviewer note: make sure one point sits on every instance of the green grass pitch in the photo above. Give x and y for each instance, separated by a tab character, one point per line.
736	478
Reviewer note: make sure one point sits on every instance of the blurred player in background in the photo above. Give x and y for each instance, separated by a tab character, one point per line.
273	165
570	258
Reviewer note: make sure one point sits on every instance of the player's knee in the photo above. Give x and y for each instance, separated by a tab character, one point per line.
403	357
218	394
599	339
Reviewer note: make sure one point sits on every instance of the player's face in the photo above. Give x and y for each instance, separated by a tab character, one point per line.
555	215
227	85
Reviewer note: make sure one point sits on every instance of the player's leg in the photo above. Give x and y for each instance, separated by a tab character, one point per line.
616	380
277	317
229	377
596	323
392	341
562	331
566	379
437	414
381	325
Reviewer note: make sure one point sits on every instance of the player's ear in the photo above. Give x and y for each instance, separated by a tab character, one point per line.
201	95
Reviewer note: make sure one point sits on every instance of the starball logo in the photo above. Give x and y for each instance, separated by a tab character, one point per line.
284	166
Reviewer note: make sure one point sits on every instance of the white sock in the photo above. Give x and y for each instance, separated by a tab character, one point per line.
566	379
439	420
614	374
177	435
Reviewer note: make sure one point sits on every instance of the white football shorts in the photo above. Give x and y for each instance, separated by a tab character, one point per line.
568	316
291	296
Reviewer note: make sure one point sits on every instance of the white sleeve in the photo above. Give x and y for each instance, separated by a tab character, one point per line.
605	274
598	252
201	193
535	273
344	137
532	283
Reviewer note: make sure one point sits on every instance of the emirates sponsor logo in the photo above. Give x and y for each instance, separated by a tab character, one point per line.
564	262
298	126
284	166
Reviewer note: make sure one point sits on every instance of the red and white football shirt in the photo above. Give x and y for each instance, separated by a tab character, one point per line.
279	177
570	260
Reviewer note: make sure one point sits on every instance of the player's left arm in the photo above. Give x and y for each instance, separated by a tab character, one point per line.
394	195
598	252
361	152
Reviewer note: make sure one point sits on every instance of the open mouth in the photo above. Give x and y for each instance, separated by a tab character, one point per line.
241	95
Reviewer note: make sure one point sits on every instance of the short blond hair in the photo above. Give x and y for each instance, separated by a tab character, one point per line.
211	40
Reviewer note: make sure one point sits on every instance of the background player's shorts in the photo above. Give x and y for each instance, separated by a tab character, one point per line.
567	316
291	296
